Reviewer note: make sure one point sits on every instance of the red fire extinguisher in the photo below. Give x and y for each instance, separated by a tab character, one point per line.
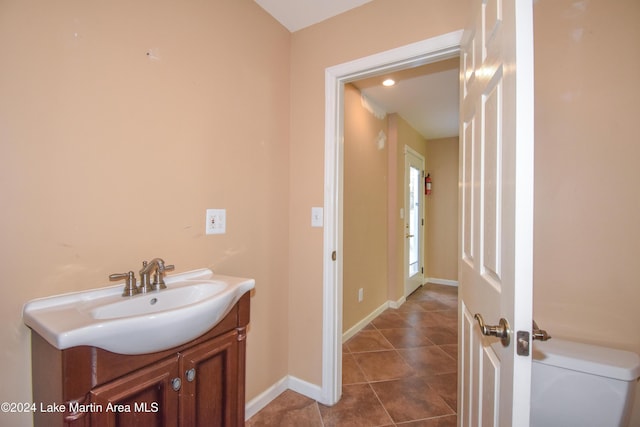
427	185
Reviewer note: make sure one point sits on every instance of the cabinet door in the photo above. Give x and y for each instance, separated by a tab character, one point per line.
144	398
209	396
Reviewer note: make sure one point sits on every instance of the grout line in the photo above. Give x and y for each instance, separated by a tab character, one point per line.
320	413
384	408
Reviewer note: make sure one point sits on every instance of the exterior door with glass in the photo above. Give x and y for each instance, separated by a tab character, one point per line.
413	220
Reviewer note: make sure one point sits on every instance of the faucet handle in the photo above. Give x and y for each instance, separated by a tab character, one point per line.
158	277
130	287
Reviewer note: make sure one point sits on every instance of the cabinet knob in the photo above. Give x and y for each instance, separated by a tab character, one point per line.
176	384
190	374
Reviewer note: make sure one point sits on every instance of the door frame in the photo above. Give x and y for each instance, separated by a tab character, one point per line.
430	50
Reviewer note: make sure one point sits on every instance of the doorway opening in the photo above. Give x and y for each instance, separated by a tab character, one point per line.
413	55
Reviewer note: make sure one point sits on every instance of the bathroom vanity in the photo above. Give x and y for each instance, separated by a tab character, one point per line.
166	356
200	383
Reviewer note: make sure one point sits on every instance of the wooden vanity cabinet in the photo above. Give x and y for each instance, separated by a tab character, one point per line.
200	383
142	398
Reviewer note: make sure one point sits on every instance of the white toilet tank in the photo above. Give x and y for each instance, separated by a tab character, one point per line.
581	385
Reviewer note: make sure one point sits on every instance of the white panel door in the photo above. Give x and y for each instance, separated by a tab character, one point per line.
496	212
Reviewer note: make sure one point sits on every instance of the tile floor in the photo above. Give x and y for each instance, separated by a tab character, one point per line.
400	370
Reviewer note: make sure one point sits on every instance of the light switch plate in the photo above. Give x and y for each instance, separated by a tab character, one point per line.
216	221
317	219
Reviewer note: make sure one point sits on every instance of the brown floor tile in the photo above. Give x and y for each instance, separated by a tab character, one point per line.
368	340
429	360
433	305
406	338
446	385
422	295
430	319
451	301
390	319
448	315
383	365
444	421
411	398
448	298
414	318
451	350
434	289
409	305
358	406
351	372
441	335
290	409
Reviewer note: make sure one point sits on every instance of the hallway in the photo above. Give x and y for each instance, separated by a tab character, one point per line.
400	370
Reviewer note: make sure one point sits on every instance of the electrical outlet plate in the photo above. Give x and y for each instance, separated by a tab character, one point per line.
216	221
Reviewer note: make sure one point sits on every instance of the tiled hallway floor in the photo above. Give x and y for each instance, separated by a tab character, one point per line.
400	370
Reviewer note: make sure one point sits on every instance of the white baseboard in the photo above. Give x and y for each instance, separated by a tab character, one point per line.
364	322
375	313
263	399
437	281
305	388
397	304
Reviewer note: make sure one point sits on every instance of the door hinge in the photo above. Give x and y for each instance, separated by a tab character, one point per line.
422	270
333	255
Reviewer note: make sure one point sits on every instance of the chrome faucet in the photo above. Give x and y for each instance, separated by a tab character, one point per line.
155	266
158	267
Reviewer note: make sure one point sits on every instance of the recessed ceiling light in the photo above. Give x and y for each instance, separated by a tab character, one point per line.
388	82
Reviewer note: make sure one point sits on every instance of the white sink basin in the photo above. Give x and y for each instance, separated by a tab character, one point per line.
193	303
170	299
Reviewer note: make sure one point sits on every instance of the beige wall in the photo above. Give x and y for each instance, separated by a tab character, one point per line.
442	209
109	157
365	210
587	205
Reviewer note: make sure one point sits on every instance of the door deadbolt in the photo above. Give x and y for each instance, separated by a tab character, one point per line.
502	330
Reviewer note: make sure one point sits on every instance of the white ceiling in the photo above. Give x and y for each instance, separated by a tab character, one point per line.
426	97
298	14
